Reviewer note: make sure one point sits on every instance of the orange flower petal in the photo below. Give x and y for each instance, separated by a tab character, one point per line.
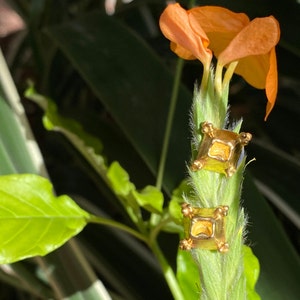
220	24
186	43
254	69
254	47
182	52
258	37
271	83
261	72
218	19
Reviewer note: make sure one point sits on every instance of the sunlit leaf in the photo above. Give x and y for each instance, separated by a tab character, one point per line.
119	179
88	145
188	275
150	198
177	199
175	211
251	270
33	220
54	121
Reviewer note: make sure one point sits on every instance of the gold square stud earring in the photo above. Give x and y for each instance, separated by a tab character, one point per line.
204	228
220	149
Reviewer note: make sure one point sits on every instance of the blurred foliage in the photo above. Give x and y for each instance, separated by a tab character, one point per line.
114	75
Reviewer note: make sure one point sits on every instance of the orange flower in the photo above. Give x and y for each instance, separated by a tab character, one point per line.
232	37
254	48
185	41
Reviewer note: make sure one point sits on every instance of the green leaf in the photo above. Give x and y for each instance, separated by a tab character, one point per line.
188	275
175	211
119	180
251	270
89	146
150	198
34	221
177	199
54	121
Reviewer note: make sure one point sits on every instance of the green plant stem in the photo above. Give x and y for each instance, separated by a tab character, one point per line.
112	223
204	81
168	272
169	124
218	80
228	74
156	230
166	268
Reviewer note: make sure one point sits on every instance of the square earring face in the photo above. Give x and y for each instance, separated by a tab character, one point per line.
220	149
204	228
